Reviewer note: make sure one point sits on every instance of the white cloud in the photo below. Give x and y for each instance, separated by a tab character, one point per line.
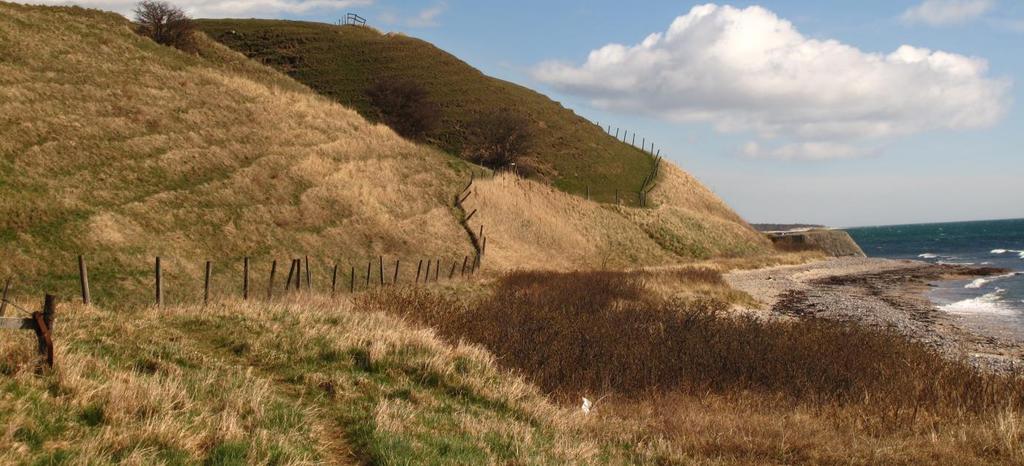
811	150
946	12
427	17
222	8
748	70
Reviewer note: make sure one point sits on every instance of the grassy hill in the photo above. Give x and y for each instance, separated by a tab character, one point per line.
120	149
342	62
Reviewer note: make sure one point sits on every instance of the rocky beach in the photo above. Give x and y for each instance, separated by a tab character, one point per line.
879	293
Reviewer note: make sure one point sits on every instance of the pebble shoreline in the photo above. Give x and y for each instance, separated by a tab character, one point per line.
878	293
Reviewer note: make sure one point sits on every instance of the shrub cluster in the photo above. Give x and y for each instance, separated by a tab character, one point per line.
598	332
166	24
404	106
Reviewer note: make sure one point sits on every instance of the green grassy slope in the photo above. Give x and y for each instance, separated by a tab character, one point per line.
343	61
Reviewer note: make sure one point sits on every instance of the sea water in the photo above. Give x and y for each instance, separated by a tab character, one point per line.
996	302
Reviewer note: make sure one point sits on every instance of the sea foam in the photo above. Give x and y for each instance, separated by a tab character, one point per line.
978	283
985	304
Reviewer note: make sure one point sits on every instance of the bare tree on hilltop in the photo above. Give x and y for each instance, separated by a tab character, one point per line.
166	24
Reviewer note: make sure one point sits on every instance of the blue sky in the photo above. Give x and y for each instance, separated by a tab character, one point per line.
955	152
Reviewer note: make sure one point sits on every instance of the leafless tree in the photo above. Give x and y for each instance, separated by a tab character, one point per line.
166	24
499	138
404	105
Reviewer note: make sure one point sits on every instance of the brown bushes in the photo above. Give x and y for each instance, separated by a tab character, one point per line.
166	24
403	105
597	332
500	138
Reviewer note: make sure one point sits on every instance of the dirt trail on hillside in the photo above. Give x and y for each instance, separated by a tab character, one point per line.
879	293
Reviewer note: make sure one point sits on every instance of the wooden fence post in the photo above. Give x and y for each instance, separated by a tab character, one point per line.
451	274
159	284
471	214
483	248
616	133
245	279
334	279
352	280
634	140
369	270
381	270
298	274
437	269
83	279
309	276
426	277
394	281
206	282
481	234
270	286
419	268
616	196
3	301
465	259
44	327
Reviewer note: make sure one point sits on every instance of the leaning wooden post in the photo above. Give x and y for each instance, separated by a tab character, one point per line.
437	269
465	259
483	248
451	274
481	234
291	273
206	282
159	284
3	301
419	268
83	279
634	140
426	277
44	327
369	271
394	281
381	270
298	274
245	278
270	286
352	280
334	279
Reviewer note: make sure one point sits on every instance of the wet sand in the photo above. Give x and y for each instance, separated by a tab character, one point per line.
880	293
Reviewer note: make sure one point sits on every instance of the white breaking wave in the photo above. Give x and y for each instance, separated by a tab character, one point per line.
986	304
927	255
1004	251
984	281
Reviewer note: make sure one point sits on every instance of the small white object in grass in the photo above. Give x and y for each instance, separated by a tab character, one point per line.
586	406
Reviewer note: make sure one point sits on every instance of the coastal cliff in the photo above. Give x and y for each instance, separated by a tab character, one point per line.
837	243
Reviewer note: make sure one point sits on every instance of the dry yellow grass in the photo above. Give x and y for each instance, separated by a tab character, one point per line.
533	226
302	381
118	148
